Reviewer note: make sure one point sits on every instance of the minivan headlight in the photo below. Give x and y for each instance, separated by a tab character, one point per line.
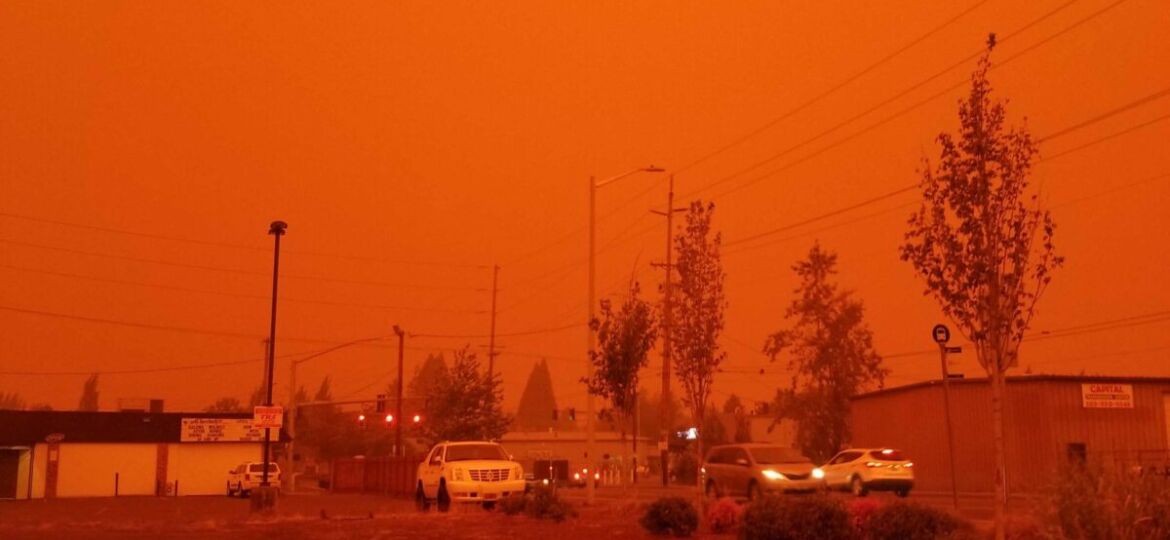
772	475
818	473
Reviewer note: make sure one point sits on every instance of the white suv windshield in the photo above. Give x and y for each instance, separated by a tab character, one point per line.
467	452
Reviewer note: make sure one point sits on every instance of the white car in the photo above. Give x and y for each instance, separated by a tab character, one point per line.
862	470
471	471
248	475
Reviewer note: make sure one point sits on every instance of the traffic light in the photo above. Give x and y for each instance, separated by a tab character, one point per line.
417	419
389	419
380	403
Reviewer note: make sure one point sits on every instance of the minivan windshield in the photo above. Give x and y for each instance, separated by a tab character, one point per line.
777	454
467	452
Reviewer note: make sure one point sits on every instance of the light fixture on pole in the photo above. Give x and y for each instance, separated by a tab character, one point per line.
590	427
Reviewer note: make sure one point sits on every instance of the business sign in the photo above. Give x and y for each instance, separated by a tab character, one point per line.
222	430
268	416
1107	396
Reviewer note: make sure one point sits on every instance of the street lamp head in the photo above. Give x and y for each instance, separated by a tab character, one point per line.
277	228
398	331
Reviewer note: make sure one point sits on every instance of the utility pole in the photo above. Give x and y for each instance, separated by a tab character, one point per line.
942	335
492	339
276	229
667	321
398	450
264	379
291	409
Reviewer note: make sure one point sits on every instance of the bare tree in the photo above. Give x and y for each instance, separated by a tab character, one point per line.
624	337
830	350
701	301
226	405
11	401
982	245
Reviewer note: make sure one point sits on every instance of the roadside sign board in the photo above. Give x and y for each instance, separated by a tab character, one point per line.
222	430
1107	396
268	417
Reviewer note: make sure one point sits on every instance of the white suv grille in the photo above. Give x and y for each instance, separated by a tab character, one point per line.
489	475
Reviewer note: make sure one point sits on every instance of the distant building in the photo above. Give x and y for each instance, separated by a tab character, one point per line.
527	447
1049	420
46	454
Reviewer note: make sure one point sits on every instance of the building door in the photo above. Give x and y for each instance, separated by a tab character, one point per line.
9	470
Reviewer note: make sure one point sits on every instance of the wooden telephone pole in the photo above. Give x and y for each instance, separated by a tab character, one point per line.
664	415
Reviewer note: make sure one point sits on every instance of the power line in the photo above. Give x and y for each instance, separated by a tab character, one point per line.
155	236
233	270
897	114
832	90
231	294
1114	135
499	334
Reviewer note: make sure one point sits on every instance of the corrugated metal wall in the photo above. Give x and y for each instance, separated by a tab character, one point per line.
1042	417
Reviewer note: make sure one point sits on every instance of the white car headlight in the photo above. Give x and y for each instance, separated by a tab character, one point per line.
772	475
458	474
818	473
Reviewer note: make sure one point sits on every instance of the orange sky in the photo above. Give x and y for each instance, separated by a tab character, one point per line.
465	134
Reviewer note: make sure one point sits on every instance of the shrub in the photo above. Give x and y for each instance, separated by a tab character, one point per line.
789	518
671	515
723	515
1024	528
909	521
1089	502
860	510
513	504
543	503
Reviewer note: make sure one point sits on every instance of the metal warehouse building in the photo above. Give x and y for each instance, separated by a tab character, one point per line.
94	454
1049	420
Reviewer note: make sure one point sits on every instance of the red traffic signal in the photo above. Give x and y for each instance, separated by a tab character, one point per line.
389	418
417	418
361	418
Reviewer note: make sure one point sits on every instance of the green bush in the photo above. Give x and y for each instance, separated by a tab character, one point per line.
723	515
543	503
1090	502
671	516
796	518
909	521
513	504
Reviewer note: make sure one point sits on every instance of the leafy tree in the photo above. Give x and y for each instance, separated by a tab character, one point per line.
325	391
89	394
830	349
624	337
650	418
227	405
537	403
701	302
11	401
714	430
735	407
981	244
41	407
465	403
426	376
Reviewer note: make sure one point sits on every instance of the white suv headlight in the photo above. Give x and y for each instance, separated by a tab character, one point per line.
458	474
818	473
772	475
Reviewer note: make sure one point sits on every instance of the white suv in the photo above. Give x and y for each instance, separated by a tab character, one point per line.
471	471
861	470
248	475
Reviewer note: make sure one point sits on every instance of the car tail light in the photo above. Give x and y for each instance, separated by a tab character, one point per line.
872	464
908	464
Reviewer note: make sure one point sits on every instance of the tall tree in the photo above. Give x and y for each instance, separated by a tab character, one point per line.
258	397
227	405
537	403
735	407
11	401
89	394
465	404
701	301
426	376
830	350
624	337
982	244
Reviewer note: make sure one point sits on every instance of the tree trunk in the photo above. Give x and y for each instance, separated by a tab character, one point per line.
1000	496
699	458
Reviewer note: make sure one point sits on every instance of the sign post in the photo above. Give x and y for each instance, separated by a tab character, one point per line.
268	416
942	335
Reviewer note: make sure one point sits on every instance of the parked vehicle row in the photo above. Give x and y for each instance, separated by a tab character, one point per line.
751	470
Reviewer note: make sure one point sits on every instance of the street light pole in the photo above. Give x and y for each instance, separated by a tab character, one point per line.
398	419
590	414
276	229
